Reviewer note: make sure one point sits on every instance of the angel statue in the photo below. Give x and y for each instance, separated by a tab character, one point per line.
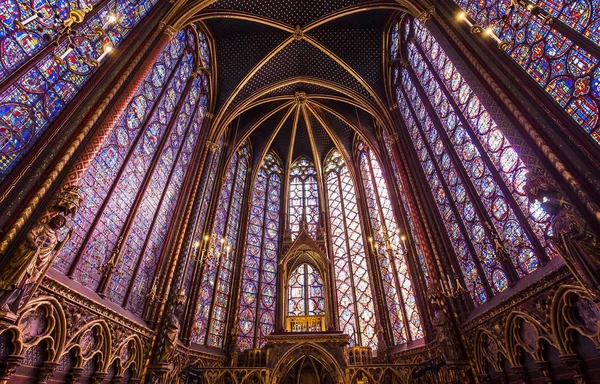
23	271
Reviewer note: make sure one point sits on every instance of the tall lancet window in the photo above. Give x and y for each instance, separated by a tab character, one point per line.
476	175
304	197
354	295
257	300
206	184
133	184
215	288
34	85
408	212
390	251
306	293
569	72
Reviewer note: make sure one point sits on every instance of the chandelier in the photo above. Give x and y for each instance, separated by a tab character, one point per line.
525	9
54	29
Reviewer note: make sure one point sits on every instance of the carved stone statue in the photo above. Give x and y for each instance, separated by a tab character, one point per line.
172	329
579	248
444	333
577	244
68	200
29	262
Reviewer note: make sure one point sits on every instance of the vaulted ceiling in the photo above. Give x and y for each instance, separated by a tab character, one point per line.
300	76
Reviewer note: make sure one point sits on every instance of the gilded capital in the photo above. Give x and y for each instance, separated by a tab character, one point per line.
169	30
426	15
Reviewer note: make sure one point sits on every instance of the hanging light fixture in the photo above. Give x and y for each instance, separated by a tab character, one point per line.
529	11
55	30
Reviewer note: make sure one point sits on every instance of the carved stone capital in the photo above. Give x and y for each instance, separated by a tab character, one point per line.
46	371
575	364
484	378
169	30
9	366
74	375
426	15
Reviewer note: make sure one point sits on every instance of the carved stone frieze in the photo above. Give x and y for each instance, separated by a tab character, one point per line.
82	330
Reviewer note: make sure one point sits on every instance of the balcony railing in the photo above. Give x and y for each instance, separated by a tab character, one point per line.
305	323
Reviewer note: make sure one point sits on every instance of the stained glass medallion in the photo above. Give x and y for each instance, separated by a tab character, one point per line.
257	302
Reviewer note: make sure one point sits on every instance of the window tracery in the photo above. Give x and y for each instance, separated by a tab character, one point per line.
303	197
568	72
387	245
34	99
306	292
215	286
476	175
132	186
257	299
353	284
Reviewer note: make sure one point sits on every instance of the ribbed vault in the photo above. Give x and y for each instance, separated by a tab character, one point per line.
299	77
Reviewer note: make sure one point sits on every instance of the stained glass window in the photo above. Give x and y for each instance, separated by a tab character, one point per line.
104	237
303	197
102	172
353	285
306	293
408	212
207	182
133	185
390	251
462	149
257	301
158	206
31	101
566	71
211	312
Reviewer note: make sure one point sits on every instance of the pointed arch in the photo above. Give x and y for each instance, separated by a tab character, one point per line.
475	173
256	317
303	197
389	250
353	283
215	286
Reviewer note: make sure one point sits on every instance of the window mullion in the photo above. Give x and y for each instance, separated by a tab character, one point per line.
261	259
484	155
222	252
489	228
349	258
467	237
388	246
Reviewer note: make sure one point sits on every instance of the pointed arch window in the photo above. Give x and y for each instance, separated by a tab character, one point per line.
31	101
391	253
476	175
133	185
561	56
303	197
408	212
215	287
257	300
306	292
353	284
207	183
